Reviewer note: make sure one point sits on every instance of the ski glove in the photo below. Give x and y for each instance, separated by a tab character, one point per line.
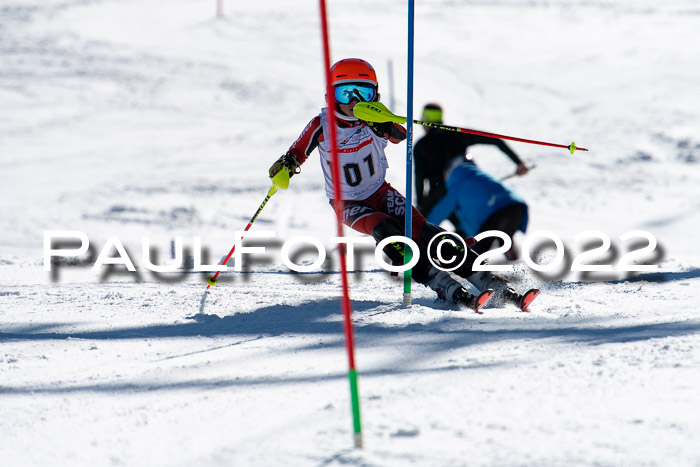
287	161
388	130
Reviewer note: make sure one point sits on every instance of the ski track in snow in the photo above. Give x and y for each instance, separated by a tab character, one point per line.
131	119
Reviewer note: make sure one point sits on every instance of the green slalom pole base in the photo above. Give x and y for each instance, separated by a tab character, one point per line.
407	275
355	403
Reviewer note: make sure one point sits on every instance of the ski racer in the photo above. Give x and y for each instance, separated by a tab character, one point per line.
371	205
449	185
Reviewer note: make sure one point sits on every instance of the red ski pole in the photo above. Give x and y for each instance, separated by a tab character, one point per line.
281	180
211	281
377	112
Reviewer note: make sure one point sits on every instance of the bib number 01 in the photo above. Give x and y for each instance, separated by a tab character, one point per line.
353	173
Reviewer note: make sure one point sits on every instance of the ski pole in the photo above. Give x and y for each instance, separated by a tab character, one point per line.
280	180
211	281
377	112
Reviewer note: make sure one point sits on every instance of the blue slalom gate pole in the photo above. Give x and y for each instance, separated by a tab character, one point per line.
409	156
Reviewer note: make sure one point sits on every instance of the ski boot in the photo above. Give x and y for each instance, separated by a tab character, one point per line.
475	302
521	301
452	291
504	291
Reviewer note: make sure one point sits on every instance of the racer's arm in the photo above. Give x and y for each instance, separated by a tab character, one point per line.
521	168
300	150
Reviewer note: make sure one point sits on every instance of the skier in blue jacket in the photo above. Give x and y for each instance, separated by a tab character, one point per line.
457	189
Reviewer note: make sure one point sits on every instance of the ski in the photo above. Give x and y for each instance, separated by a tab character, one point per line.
527	298
481	300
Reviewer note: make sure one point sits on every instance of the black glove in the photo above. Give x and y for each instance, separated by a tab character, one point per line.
287	161
381	129
388	130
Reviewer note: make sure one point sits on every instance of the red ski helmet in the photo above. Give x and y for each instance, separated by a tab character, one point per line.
353	70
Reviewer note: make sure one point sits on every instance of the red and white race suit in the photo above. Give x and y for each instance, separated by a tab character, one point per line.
363	163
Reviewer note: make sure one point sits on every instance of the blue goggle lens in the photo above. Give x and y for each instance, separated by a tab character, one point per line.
345	93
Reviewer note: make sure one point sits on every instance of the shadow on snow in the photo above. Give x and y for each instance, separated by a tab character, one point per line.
322	318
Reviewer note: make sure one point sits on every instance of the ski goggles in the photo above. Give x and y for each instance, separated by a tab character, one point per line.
345	93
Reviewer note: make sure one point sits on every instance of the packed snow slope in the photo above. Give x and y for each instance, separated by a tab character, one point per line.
135	119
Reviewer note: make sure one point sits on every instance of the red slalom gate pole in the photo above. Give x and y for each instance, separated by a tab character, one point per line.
345	303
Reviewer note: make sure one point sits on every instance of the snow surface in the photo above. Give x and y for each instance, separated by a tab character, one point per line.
143	118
